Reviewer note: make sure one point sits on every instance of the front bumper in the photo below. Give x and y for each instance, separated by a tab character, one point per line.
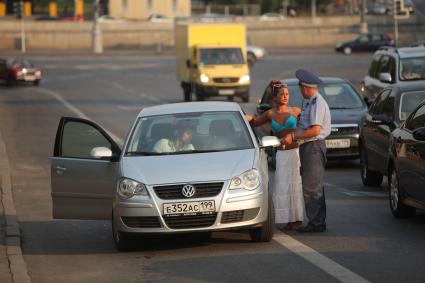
343	132
206	91
234	209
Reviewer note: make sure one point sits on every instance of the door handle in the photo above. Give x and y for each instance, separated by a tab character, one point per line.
60	169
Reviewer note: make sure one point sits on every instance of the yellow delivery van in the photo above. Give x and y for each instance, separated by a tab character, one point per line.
211	60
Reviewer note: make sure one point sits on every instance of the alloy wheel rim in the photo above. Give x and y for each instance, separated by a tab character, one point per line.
394	190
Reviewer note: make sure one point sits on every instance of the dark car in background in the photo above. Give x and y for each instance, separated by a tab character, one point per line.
407	165
390	66
346	106
15	70
390	109
364	43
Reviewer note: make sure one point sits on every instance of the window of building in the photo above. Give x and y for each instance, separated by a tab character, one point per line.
175	6
150	6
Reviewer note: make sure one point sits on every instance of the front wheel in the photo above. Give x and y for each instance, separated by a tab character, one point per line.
251	59
121	239
347	50
265	233
245	97
369	177
398	209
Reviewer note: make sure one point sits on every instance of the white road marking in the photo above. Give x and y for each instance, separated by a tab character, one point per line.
75	110
352	193
326	264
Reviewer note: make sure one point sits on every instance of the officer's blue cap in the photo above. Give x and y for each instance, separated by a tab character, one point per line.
307	78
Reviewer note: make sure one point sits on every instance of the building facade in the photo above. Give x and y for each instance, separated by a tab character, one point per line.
142	9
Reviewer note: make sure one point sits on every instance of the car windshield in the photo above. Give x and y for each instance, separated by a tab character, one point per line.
188	133
412	69
409	101
15	63
221	56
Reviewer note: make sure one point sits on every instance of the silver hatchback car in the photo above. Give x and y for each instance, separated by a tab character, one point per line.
184	167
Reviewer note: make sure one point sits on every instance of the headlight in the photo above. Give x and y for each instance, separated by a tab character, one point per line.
127	188
204	78
19	73
244	79
38	73
248	180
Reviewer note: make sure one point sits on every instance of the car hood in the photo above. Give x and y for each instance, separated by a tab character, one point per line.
165	169
347	116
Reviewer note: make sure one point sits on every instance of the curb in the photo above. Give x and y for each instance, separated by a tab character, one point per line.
17	265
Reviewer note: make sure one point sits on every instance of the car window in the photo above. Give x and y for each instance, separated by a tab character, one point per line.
409	101
417	120
364	38
387	65
412	69
376	37
78	139
189	133
378	105
388	105
374	66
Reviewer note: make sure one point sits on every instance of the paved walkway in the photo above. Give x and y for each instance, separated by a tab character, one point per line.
12	265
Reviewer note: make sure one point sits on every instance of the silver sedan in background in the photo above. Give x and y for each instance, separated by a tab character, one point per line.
185	167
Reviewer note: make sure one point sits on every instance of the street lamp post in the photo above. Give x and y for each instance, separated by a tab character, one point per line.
96	32
363	22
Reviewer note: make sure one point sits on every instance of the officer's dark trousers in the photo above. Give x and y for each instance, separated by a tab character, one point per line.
313	161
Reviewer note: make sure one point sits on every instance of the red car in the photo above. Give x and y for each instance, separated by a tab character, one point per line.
14	70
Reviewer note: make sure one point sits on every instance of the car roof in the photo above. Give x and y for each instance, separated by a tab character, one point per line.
410	86
294	81
404	52
188	107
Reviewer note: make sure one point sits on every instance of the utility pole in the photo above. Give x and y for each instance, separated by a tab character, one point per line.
20	14
313	8
363	22
395	23
96	31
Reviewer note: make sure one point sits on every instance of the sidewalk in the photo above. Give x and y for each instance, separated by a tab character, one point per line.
12	265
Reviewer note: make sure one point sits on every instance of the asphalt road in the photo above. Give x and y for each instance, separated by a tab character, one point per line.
363	241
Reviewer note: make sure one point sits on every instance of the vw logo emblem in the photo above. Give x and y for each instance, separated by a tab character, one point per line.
188	191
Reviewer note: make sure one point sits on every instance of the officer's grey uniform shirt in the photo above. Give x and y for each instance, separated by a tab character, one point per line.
316	112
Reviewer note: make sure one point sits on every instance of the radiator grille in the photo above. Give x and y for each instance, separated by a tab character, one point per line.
175	191
190	221
225	80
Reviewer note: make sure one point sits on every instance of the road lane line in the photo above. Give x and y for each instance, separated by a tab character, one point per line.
326	264
352	193
75	110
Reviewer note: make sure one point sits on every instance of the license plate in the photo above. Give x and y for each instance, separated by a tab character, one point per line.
189	207
29	78
343	143
226	91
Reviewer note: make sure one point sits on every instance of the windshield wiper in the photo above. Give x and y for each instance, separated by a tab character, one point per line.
142	153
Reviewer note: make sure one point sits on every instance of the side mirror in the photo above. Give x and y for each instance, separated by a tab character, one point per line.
263	108
268	141
380	119
419	134
101	153
385	77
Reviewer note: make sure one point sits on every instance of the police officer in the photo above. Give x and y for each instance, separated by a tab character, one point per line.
312	129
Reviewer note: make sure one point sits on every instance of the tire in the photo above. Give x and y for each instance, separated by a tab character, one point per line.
10	81
230	98
369	177
199	96
122	240
347	50
265	232
36	82
398	209
245	98
251	59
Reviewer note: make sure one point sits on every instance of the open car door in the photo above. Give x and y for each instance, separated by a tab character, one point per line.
82	185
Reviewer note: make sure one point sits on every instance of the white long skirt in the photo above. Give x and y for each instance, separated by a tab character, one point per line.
287	190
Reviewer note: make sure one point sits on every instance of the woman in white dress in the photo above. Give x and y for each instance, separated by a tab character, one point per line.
287	188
